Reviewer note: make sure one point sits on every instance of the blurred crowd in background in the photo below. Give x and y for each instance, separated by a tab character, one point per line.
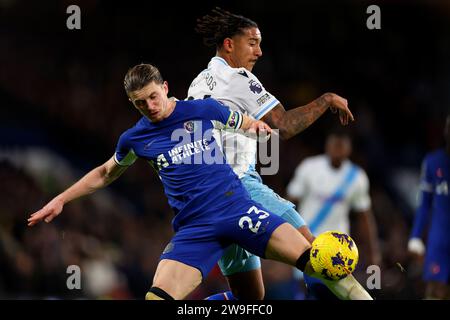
63	108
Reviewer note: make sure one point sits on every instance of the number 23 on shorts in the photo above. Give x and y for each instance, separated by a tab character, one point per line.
247	222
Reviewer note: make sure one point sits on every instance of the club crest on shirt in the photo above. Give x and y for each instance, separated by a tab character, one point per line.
435	268
189	126
255	87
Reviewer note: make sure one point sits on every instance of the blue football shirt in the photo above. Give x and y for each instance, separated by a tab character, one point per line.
183	151
434	200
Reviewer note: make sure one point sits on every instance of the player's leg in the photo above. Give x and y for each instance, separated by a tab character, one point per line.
242	268
186	260
304	230
243	272
315	288
270	200
252	227
436	271
247	285
173	279
287	245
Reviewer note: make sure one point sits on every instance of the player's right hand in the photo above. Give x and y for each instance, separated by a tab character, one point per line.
340	104
48	213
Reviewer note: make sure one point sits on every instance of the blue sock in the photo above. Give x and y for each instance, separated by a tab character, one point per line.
222	296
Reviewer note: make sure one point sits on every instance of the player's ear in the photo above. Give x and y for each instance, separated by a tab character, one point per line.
228	44
166	87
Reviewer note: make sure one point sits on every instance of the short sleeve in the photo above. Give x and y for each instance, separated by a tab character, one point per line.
124	155
361	199
251	94
297	186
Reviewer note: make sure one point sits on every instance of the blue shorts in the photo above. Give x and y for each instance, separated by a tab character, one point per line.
437	264
236	259
201	242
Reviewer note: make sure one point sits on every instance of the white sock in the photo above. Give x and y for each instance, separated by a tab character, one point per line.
345	289
348	289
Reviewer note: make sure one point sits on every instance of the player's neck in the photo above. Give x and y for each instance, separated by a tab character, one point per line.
171	103
226	58
335	164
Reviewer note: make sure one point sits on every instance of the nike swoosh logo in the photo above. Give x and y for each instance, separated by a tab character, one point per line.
147	146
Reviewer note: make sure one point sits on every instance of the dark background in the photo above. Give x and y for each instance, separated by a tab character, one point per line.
63	108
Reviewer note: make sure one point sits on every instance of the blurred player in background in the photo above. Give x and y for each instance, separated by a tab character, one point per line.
228	78
212	208
433	216
328	187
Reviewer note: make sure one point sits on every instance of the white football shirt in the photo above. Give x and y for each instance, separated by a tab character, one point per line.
328	194
240	90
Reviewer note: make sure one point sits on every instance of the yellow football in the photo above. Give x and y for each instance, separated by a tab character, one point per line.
334	255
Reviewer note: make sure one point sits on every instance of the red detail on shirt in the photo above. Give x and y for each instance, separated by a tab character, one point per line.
435	268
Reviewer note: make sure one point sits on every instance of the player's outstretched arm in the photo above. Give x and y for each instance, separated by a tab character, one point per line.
298	119
96	179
